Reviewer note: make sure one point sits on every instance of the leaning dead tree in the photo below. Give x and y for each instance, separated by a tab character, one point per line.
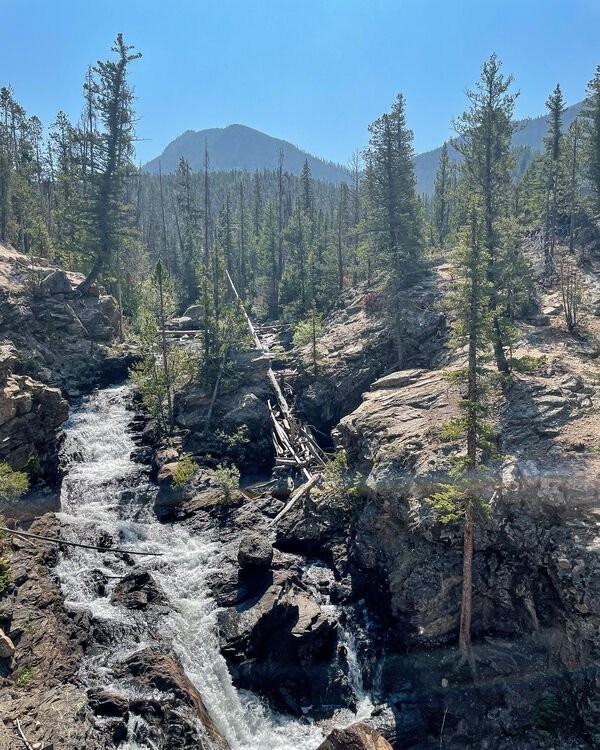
295	446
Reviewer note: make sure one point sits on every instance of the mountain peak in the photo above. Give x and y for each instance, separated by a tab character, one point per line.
238	146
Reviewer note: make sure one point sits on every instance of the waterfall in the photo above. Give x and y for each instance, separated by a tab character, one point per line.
107	495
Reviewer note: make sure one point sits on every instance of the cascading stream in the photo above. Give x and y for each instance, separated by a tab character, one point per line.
105	494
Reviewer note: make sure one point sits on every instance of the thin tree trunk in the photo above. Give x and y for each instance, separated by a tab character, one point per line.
466	606
499	355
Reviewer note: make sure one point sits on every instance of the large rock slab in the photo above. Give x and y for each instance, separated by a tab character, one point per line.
255	552
359	736
161	672
280	643
31	417
535	555
56	282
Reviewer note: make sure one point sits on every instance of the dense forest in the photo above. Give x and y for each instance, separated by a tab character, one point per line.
291	243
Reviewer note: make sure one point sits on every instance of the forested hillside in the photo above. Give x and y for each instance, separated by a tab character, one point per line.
290	243
528	141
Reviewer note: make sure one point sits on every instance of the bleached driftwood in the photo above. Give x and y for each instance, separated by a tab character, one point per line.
300	492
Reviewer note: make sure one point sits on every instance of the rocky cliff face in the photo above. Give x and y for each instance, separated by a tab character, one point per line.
358	345
31	415
537	561
54	344
61	338
40	681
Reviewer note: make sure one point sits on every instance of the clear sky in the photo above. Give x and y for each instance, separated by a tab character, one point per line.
313	72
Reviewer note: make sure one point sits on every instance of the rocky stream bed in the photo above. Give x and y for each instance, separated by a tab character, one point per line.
248	634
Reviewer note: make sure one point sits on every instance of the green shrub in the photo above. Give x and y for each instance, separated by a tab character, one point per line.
228	478
186	468
527	364
13	484
23	676
234	444
338	481
5	574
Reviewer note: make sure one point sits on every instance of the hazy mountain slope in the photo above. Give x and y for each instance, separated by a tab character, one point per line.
530	135
240	147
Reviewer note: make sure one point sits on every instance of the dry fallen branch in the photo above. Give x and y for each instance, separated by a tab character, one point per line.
24	740
302	490
56	540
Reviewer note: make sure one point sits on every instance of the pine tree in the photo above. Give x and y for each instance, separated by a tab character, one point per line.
392	220
484	140
572	170
445	185
591	119
162	368
188	223
113	149
463	499
268	250
552	151
342	223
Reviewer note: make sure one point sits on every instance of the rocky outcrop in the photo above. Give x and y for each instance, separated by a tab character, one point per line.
358	345
137	590
40	684
255	552
7	647
57	344
359	736
162	673
536	565
281	644
60	337
201	491
31	416
240	422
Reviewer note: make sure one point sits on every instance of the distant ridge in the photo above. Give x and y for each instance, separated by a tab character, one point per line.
529	136
241	147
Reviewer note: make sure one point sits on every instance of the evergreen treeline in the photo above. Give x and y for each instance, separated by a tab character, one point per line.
290	243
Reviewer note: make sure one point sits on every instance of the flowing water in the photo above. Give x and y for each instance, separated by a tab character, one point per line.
106	495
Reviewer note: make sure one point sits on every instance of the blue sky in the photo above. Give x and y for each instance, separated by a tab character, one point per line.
313	72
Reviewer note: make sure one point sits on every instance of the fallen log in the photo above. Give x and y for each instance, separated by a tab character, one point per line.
56	540
300	492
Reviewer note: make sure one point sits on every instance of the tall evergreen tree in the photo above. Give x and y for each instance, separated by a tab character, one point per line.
572	158
484	140
462	500
591	119
444	188
113	149
188	223
392	218
552	150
